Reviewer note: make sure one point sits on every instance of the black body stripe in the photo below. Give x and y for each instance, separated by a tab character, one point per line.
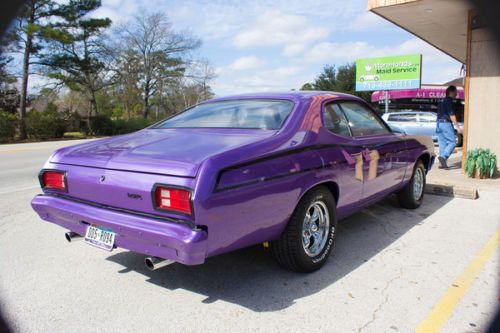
291	152
281	175
302	149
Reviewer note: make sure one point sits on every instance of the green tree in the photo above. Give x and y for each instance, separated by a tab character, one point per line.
28	32
126	74
76	49
307	86
160	52
327	79
5	77
9	96
342	80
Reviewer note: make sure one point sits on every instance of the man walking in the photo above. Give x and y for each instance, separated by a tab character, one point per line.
444	127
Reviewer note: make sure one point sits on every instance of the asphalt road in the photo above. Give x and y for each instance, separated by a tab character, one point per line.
393	270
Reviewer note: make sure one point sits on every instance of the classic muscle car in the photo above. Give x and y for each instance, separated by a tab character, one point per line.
276	168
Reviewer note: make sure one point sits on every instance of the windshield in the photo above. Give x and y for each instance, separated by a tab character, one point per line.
251	113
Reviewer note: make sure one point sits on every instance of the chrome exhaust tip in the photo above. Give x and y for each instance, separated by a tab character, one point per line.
153	263
72	236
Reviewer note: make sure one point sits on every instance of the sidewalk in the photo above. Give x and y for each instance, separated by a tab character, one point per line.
452	182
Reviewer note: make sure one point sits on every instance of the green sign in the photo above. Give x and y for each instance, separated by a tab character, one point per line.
389	73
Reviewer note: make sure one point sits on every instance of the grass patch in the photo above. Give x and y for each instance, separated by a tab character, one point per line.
74	135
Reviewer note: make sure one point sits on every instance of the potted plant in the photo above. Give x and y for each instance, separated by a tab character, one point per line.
480	163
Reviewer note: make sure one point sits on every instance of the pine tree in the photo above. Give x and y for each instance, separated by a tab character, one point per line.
28	31
74	57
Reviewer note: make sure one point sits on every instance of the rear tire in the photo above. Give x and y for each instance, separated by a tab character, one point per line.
412	195
307	240
459	140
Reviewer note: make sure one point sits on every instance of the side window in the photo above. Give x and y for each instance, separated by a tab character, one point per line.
393	117
427	117
408	117
405	117
362	120
335	120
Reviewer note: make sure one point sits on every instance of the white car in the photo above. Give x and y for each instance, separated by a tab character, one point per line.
417	123
369	77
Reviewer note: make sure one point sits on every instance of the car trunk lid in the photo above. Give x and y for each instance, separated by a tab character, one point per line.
175	152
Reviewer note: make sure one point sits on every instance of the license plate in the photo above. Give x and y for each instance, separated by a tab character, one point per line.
100	237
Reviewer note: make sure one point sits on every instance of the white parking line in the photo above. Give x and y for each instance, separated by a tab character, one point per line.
18	190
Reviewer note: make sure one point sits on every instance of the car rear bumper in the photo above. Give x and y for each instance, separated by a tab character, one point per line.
152	237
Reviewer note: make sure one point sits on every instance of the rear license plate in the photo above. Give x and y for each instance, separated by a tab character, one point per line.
100	237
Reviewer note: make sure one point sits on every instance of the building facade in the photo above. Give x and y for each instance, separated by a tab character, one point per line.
454	27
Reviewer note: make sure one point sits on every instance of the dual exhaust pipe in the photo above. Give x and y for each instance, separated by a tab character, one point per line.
152	263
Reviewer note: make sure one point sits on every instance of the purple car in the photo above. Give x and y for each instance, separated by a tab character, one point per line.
274	168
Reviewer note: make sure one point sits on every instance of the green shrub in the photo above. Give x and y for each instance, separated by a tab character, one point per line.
122	126
45	125
99	125
480	163
103	125
8	125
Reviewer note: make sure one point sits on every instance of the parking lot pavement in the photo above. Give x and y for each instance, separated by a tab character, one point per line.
389	270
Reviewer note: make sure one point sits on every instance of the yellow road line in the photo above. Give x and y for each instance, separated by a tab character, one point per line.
14	150
443	309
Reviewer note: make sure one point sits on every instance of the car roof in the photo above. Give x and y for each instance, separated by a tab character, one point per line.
291	95
409	112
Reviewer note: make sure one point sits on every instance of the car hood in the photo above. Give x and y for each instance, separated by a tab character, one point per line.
177	152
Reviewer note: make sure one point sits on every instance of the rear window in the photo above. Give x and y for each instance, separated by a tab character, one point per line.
251	114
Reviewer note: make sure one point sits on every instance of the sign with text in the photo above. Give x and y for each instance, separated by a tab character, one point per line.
389	73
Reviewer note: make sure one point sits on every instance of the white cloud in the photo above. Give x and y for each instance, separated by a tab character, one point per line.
280	78
285	71
274	28
246	63
367	20
296	33
437	67
328	52
110	13
337	52
294	49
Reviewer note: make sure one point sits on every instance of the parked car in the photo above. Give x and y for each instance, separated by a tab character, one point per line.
274	168
418	123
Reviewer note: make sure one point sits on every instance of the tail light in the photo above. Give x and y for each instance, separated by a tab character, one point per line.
51	179
174	199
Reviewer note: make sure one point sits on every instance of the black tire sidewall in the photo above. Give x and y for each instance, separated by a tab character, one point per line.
418	165
320	194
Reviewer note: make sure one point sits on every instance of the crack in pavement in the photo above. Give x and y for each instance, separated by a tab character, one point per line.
386	299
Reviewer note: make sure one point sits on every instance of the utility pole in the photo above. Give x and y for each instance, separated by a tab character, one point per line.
386	101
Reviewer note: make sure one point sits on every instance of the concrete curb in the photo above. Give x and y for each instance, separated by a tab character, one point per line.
452	191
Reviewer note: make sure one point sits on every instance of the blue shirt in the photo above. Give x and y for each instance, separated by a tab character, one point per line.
445	109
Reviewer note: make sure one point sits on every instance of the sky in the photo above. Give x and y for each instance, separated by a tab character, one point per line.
270	45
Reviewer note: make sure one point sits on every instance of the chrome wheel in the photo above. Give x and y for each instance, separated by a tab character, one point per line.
315	228
418	183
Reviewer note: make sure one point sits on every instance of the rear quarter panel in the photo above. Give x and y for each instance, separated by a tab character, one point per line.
239	216
419	147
